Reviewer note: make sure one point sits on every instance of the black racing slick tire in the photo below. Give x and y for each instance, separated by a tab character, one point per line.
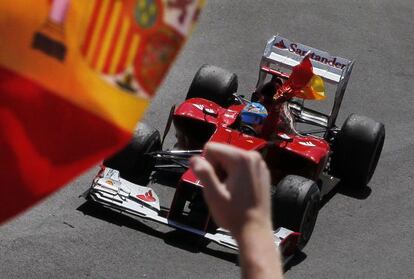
295	206
356	150
132	160
214	84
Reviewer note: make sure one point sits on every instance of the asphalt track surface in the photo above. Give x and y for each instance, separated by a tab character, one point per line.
368	235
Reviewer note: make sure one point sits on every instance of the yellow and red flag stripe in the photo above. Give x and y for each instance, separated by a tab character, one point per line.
74	81
304	83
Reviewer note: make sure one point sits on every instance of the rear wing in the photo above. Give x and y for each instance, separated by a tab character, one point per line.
281	55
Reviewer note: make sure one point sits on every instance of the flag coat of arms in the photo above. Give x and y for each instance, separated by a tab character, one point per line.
75	77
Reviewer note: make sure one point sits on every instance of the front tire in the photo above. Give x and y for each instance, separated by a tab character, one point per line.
214	84
295	206
132	161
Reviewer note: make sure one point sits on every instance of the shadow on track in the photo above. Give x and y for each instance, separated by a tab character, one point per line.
176	238
179	239
97	211
296	260
346	190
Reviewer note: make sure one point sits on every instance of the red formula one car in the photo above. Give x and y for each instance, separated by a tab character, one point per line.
304	149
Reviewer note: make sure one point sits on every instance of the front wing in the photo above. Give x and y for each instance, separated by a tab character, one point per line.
112	191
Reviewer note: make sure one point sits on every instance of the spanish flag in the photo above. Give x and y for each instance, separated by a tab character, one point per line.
304	83
75	77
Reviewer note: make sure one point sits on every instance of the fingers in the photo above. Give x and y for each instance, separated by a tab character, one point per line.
243	196
242	167
213	189
222	156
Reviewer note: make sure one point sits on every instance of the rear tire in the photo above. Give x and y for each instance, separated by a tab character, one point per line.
214	84
295	206
132	161
357	149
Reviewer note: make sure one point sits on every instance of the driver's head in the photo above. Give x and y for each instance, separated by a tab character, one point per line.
254	115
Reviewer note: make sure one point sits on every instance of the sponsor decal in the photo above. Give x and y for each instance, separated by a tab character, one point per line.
307	143
209	110
284	136
205	109
109	182
147	197
280	44
200	107
315	55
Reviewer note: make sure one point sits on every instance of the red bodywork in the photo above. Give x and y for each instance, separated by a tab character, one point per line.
207	121
314	151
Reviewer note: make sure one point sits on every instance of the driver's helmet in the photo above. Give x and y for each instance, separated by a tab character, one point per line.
253	114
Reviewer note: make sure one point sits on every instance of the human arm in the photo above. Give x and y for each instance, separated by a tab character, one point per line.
237	191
